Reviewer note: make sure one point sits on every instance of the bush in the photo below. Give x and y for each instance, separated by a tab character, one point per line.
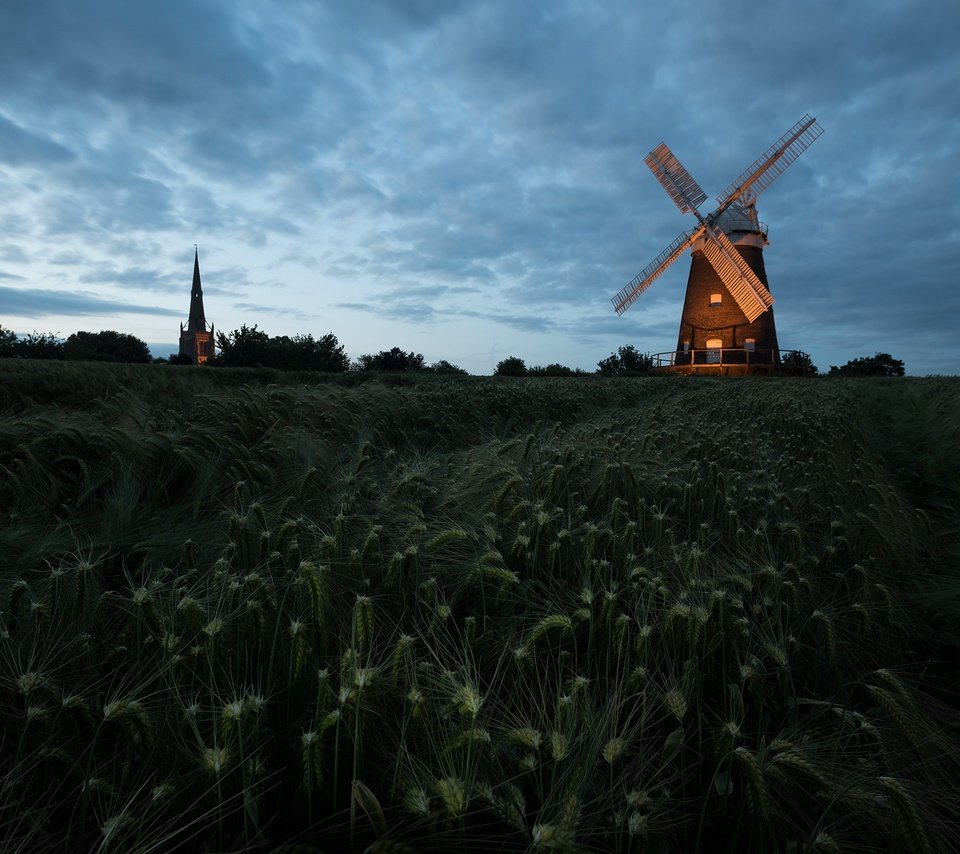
250	347
512	366
394	359
878	365
36	345
106	346
444	367
553	370
8	342
626	362
798	361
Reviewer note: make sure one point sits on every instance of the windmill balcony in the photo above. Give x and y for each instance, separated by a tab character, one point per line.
732	224
723	361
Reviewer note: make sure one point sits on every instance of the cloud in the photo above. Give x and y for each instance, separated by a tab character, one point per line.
482	161
36	303
21	147
254	309
133	278
68	259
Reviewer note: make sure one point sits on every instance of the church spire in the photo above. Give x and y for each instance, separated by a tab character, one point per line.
197	321
196	340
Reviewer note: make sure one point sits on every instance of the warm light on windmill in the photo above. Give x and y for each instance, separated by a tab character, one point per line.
727	253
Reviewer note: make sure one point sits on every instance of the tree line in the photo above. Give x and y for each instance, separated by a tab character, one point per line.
107	346
251	347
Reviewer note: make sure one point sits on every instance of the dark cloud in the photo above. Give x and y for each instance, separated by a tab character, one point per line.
521	322
12	252
40	303
133	278
67	259
21	147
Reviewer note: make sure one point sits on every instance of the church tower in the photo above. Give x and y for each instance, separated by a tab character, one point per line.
196	341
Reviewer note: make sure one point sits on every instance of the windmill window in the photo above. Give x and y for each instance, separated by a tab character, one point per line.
750	344
716	299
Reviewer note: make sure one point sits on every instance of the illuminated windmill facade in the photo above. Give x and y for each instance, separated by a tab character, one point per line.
196	341
727	316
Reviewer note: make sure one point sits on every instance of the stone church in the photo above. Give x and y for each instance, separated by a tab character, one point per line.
196	341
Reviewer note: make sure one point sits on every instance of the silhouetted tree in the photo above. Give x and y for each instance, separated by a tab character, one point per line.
316	354
8	342
106	346
552	370
39	345
180	359
878	365
394	359
798	361
250	347
512	366
244	347
627	361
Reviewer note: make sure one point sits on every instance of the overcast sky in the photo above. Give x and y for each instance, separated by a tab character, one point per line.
466	179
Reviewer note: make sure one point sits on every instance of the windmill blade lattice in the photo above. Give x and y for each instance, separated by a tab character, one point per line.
747	290
773	162
639	283
675	179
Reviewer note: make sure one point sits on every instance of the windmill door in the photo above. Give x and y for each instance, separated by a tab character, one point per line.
714	346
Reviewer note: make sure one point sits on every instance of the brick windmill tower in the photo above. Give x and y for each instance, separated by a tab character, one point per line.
727	322
196	341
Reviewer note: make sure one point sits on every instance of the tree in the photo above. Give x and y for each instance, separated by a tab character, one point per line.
40	345
106	346
244	347
316	354
512	366
8	342
180	359
392	360
798	362
878	365
626	362
250	347
552	370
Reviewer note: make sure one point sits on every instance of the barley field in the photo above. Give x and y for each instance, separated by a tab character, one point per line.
248	611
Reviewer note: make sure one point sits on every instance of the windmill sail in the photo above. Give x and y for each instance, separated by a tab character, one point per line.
773	162
675	179
639	283
727	244
747	290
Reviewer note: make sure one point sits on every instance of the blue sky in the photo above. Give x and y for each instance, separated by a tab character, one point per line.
466	179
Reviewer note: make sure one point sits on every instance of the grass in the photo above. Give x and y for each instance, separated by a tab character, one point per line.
648	615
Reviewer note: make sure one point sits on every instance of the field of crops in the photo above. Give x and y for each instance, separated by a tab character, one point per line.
245	610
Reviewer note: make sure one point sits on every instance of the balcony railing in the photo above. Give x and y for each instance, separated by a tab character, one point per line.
732	222
716	357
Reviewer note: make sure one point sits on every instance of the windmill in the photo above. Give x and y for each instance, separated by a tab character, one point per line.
727	313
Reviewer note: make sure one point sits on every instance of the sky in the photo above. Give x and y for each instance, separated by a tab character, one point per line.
465	179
